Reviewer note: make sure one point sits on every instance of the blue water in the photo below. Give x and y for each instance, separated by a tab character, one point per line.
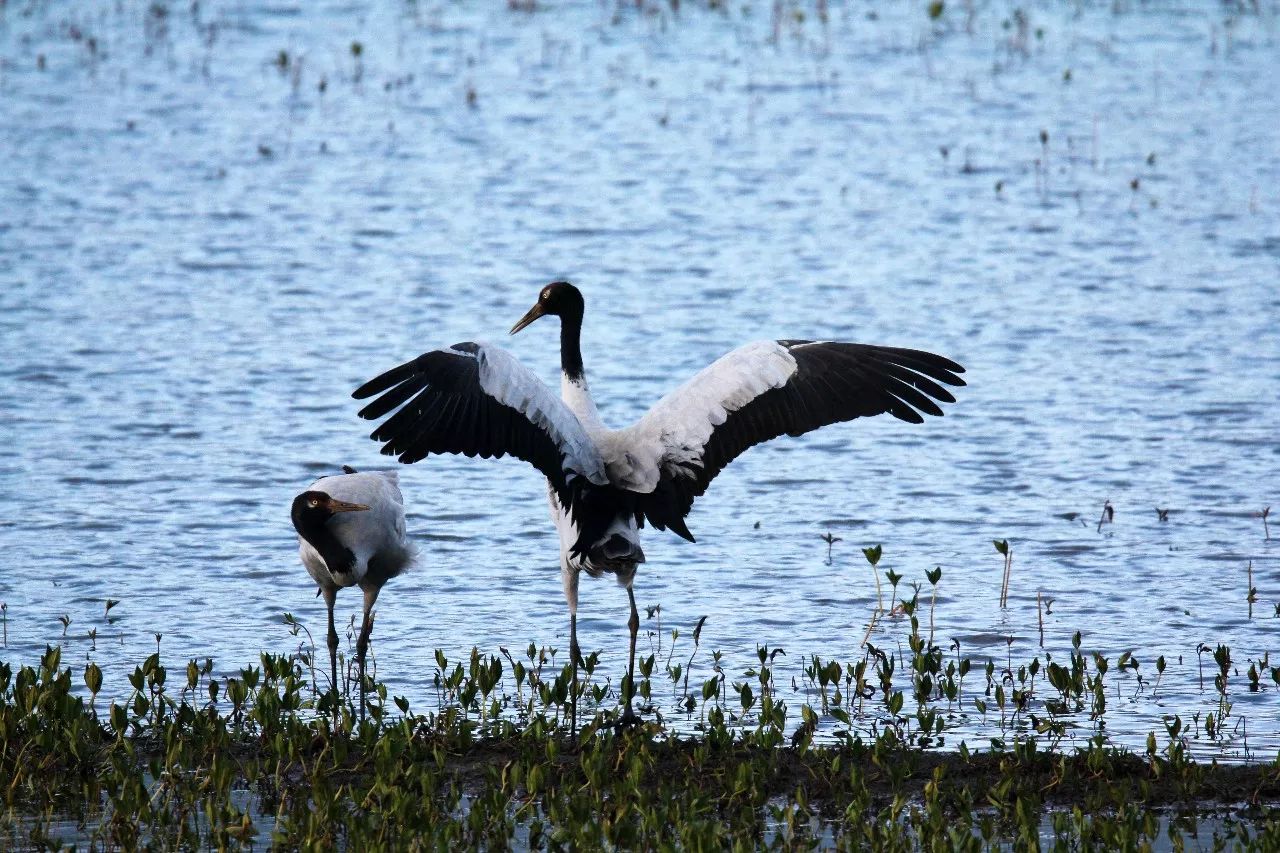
216	220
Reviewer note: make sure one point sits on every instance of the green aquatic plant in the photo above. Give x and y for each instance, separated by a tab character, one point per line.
258	763
830	540
1108	511
873	555
1003	549
933	577
1252	595
893	578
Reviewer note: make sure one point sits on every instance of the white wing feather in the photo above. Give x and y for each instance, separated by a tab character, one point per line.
674	433
509	382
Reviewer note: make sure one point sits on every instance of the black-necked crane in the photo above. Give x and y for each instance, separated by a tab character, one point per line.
603	484
351	533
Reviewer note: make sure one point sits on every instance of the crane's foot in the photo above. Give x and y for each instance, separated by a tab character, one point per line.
626	720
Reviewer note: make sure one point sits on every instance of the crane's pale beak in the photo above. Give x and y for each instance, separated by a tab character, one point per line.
534	313
343	506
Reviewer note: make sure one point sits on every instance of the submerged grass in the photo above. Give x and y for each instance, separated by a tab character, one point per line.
254	761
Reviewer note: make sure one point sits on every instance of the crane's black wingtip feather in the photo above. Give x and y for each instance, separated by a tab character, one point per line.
368	389
951	377
947	369
386	380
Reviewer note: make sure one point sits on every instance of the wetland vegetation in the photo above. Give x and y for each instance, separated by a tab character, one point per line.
183	759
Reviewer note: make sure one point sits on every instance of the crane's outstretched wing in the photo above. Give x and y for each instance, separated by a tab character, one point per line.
766	389
478	400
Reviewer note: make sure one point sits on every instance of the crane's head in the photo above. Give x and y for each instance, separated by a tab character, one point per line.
559	298
318	507
311	513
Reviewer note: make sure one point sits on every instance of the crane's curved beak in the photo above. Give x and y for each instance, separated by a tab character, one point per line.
342	506
534	313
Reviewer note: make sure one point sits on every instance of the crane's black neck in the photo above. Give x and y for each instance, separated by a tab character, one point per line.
571	344
312	524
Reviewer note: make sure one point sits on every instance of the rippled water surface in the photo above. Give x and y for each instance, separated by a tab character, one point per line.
217	219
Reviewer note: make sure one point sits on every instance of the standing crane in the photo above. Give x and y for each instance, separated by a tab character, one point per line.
351	533
603	485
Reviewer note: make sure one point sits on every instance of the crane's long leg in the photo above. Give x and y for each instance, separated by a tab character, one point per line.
362	644
330	597
569	575
574	654
629	716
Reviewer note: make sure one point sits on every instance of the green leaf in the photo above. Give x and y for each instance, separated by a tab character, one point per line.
93	678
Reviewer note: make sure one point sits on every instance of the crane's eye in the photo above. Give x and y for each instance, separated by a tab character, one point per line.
546	294
313	503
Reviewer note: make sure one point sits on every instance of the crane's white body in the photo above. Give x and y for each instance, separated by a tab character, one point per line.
376	535
672	434
572	566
